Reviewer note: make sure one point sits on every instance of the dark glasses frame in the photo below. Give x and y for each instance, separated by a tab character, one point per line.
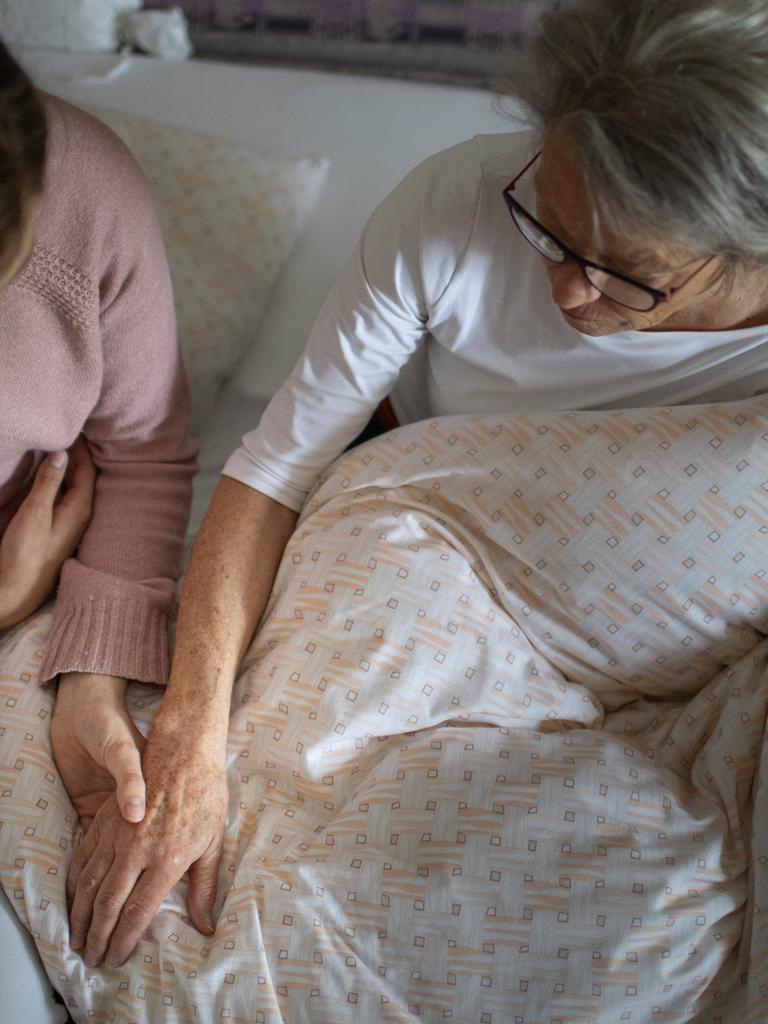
656	296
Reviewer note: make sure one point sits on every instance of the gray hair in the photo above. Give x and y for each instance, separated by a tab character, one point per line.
664	105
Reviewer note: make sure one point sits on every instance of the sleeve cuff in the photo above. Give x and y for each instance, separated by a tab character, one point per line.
240	466
110	626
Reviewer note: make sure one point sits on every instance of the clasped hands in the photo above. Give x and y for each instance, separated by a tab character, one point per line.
122	871
150	811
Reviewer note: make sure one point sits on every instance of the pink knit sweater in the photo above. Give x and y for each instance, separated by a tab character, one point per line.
89	347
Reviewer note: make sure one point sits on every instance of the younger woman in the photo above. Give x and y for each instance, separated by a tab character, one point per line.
95	458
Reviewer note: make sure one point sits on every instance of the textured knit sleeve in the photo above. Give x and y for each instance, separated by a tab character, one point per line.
116	599
370	325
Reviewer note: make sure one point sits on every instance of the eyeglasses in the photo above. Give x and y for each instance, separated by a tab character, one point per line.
622	290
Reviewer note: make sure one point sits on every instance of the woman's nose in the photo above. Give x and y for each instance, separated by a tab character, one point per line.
570	288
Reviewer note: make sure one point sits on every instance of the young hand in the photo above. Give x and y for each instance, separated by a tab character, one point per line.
45	531
96	746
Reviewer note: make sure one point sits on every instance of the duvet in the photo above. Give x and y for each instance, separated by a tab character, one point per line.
496	751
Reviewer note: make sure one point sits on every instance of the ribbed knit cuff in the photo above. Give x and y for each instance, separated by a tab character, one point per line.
110	626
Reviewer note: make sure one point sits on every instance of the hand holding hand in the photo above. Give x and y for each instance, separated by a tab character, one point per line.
121	872
45	531
96	746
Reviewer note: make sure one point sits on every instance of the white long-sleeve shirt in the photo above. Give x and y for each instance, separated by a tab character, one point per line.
448	309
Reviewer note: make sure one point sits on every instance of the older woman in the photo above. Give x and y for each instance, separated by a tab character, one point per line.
96	462
616	255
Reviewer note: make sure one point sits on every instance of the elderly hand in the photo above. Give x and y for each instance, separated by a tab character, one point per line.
45	531
96	746
121	872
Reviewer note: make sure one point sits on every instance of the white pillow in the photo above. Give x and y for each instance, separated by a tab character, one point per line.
79	25
230	217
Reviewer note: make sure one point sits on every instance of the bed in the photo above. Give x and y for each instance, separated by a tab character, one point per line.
496	751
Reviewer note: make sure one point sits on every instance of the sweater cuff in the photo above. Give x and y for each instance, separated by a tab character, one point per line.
110	626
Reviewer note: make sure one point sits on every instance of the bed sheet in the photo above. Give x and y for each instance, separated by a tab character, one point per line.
496	752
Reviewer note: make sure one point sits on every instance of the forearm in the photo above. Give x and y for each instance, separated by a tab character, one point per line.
140	511
230	576
10	616
116	599
138	431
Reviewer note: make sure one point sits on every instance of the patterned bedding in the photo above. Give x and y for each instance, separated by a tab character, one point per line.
495	751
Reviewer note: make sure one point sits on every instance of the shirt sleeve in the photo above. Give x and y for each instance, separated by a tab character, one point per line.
116	599
371	324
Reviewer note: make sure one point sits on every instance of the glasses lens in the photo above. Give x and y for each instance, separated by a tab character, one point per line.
539	239
634	296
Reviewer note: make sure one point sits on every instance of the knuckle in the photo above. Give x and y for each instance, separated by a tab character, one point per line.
37	505
129	782
44	493
114	749
107	903
116	957
48	475
121	746
168	855
88	883
135	913
175	859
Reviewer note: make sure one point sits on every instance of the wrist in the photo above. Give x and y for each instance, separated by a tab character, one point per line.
6	617
190	727
19	598
11	605
75	687
196	703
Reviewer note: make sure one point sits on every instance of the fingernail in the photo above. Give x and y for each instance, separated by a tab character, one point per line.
91	959
58	459
76	941
134	809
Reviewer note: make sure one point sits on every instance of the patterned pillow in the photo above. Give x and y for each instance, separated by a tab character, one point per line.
230	217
